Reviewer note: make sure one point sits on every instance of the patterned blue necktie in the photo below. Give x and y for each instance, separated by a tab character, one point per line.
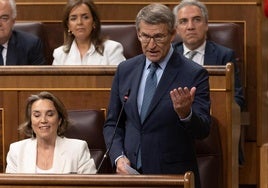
150	86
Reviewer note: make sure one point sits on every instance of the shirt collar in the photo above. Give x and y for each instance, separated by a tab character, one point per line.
90	51
200	49
5	45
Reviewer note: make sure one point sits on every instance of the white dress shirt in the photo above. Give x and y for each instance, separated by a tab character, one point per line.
4	52
199	57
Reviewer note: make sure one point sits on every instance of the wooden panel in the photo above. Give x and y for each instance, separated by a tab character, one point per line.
2	154
249	171
101	181
263	84
263	103
123	11
227	113
263	153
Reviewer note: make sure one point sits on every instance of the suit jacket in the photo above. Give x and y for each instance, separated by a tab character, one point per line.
112	55
216	54
24	49
167	144
70	156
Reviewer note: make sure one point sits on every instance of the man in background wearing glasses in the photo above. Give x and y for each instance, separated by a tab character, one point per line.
16	47
164	100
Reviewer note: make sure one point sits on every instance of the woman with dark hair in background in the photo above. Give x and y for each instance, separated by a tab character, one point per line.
83	43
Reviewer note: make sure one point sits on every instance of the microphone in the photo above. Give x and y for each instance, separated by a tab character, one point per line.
116	125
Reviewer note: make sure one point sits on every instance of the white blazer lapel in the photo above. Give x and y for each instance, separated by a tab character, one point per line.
59	159
29	163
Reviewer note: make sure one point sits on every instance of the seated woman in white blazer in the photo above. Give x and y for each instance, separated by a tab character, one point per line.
48	151
83	43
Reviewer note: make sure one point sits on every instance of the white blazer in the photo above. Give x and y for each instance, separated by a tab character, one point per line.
112	55
70	156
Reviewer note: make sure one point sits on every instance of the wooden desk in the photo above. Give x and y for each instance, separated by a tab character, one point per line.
88	87
87	181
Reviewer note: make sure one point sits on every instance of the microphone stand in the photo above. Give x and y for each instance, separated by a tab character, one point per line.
116	125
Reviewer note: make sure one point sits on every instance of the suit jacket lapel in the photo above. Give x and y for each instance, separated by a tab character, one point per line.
59	159
210	57
137	73
29	163
179	48
12	57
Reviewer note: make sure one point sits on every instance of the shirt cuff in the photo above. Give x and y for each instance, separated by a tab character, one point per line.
115	162
188	118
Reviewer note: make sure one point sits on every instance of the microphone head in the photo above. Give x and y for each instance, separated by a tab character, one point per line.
125	98
126	95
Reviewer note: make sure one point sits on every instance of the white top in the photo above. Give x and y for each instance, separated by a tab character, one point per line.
199	57
41	171
112	55
4	52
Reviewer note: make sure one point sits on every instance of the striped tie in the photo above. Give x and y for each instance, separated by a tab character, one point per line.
191	54
150	86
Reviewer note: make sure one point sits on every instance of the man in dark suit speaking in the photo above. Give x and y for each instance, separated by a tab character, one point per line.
165	103
16	47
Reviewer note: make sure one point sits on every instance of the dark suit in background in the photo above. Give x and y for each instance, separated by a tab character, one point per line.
216	54
24	49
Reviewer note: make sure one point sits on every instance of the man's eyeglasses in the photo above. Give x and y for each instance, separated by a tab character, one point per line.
158	38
